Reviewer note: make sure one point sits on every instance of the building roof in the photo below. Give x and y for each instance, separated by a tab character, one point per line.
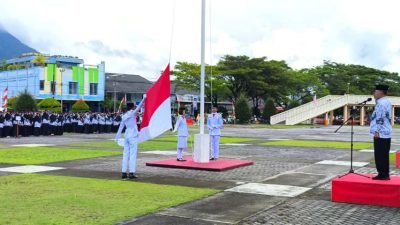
29	57
181	91
127	83
131	83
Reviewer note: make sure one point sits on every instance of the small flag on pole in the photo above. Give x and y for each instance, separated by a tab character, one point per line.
123	102
5	99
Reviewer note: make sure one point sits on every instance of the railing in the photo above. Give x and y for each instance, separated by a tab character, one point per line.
303	108
324	105
316	111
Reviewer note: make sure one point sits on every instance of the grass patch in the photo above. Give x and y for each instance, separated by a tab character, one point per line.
319	144
43	199
146	146
267	126
43	155
392	159
224	140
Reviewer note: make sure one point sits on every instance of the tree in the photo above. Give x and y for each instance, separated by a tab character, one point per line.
223	111
80	106
357	79
25	102
269	109
235	72
49	104
242	110
39	60
108	104
11	103
187	76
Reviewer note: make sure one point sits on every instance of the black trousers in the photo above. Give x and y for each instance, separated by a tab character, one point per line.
381	152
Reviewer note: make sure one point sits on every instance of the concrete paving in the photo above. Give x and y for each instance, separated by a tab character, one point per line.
274	167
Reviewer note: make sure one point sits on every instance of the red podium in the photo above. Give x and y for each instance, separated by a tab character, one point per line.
356	189
219	165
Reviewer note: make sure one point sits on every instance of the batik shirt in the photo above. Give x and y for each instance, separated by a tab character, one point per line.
381	118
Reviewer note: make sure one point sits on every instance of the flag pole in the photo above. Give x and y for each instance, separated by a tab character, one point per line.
202	69
202	140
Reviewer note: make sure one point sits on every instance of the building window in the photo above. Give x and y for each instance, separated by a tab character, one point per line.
53	87
42	85
73	88
93	89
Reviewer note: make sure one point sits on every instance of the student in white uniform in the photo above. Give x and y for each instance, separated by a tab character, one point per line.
181	127
129	120
214	124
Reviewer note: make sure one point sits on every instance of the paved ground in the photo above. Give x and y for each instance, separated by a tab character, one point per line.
284	186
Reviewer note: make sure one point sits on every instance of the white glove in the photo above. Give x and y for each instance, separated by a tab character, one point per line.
144	96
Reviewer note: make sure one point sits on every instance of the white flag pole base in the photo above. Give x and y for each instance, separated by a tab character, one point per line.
201	152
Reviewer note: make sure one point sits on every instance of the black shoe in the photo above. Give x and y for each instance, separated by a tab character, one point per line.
381	178
124	176
181	160
132	176
212	159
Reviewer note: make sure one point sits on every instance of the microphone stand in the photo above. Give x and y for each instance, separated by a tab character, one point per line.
352	114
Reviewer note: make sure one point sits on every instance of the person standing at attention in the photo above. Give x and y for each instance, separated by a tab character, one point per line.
381	130
214	124
181	127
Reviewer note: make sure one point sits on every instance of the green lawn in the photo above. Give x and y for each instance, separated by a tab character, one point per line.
112	146
43	199
162	143
43	155
392	159
224	140
319	144
267	126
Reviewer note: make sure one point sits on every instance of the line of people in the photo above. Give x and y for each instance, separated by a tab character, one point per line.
45	123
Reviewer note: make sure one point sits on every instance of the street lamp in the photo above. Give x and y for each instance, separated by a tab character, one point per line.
348	88
61	84
115	94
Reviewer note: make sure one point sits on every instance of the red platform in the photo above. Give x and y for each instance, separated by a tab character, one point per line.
365	191
398	159
219	165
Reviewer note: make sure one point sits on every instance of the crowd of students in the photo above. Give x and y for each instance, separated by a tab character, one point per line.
13	124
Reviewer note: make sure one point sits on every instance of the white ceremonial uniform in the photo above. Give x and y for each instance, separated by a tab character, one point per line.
181	127
214	124
131	139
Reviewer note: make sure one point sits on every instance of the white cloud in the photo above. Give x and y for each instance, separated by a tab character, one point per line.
134	36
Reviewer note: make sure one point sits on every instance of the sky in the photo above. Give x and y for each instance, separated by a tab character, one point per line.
134	36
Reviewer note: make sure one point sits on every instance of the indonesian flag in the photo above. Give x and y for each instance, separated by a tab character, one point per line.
157	109
5	99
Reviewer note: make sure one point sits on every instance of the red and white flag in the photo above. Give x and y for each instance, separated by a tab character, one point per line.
5	99
157	109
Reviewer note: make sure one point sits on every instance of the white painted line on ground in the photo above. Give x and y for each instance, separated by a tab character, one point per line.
30	169
235	144
33	145
279	139
270	189
372	151
342	163
160	152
